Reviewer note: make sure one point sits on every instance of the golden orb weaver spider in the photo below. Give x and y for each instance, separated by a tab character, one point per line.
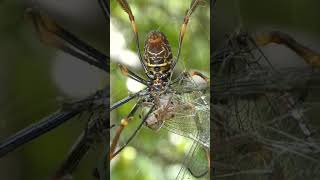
156	88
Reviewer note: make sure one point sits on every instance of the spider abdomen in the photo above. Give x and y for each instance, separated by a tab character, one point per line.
157	56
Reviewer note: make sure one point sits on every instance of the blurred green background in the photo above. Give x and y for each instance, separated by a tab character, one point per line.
153	155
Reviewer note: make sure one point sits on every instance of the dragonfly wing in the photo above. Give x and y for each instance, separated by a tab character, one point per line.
191	117
196	164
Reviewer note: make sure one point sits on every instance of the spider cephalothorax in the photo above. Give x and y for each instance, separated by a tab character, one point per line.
158	59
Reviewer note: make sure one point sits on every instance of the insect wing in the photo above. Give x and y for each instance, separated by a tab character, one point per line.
191	119
191	111
260	113
195	164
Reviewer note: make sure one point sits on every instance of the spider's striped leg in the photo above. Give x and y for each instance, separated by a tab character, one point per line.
35	130
125	71
106	157
135	132
311	57
124	100
105	8
199	74
45	125
126	7
124	122
189	75
52	34
194	4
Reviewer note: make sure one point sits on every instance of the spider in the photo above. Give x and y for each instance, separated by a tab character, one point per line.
158	65
97	129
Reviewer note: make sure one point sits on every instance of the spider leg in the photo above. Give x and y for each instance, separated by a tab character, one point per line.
202	76
135	132
79	150
125	71
51	34
189	75
126	7
105	8
124	122
194	4
123	101
97	129
45	125
35	130
126	99
311	57
108	156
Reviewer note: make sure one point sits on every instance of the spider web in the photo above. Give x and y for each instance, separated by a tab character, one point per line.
163	155
262	125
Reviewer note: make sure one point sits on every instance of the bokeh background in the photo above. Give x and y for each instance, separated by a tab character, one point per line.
153	155
36	79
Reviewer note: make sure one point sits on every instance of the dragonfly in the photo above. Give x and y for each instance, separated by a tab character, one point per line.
260	117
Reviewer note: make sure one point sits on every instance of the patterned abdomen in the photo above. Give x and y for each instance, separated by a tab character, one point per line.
157	55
